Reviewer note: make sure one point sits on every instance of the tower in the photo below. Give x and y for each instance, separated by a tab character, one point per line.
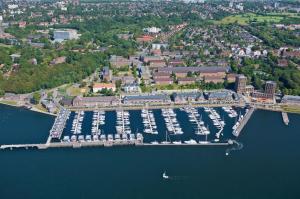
240	83
270	89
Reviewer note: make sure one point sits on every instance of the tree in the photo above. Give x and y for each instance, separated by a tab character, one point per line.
1	92
36	97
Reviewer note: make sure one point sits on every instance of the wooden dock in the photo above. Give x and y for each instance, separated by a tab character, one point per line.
285	118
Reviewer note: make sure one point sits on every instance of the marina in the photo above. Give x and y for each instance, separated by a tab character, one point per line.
201	126
187	166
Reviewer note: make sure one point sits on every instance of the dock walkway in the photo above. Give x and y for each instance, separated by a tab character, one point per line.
244	121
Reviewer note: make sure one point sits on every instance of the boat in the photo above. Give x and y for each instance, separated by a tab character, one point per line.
165	176
177	142
191	141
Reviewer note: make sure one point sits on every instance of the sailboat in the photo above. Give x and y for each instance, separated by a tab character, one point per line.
165	176
166	142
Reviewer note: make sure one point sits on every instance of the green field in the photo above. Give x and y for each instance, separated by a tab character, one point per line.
244	19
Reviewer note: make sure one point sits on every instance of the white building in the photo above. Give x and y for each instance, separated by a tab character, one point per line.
158	46
153	30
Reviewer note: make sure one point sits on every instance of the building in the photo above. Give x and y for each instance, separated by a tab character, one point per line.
187	97
65	34
270	89
240	83
146	99
230	77
131	88
213	79
152	30
219	95
290	99
204	71
49	105
144	39
163	80
186	80
106	74
97	87
158	46
95	101
154	64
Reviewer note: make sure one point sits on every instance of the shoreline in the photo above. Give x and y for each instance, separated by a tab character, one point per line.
32	109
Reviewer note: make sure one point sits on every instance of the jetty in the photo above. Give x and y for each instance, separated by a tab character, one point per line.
243	122
285	118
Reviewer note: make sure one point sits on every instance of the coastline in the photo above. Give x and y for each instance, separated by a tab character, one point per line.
21	106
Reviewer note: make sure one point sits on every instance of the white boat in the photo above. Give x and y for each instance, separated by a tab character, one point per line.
165	176
191	141
177	142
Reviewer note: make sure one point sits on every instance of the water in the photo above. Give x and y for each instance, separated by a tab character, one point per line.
266	167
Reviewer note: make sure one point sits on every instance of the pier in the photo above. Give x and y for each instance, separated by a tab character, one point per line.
243	122
285	118
105	144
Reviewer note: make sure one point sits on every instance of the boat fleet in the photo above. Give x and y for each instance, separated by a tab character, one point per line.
238	123
171	122
123	123
59	123
149	122
123	128
196	119
231	112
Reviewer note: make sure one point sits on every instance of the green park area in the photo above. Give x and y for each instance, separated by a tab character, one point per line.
244	19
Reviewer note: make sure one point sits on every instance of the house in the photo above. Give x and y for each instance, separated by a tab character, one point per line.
283	63
95	101
58	60
230	77
22	24
106	74
158	46
163	80
100	86
131	88
176	62
147	59
213	79
154	64
186	80
144	39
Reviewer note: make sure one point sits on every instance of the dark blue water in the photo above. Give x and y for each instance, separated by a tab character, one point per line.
267	167
19	126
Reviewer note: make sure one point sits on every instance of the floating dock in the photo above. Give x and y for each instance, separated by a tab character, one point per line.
285	118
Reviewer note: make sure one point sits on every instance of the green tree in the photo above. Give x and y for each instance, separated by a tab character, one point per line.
36	97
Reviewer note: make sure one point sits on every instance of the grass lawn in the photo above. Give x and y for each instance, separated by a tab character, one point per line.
244	19
291	109
13	103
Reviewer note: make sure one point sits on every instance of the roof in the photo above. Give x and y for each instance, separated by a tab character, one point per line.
104	85
146	97
95	99
202	69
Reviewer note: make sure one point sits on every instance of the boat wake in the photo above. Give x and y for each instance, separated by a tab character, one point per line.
236	146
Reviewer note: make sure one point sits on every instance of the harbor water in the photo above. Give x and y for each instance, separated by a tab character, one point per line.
266	167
